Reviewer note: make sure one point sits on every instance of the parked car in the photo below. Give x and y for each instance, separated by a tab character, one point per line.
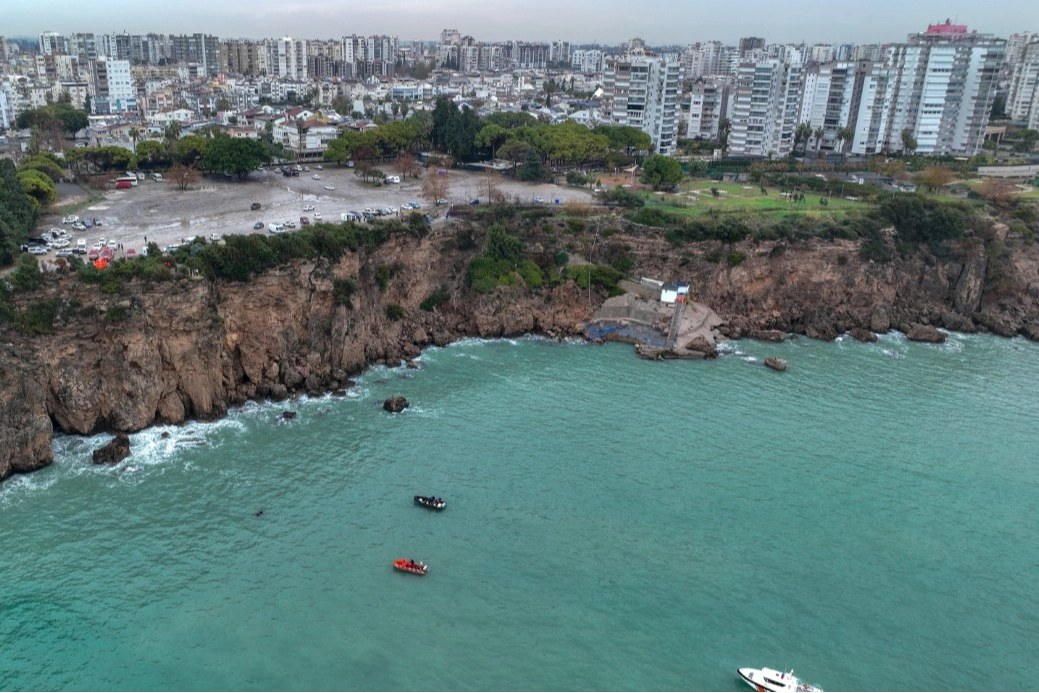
215	237
391	179
304	221
319	167
131	253
64	252
275	228
330	187
70	219
308	208
38	249
539	200
254	206
317	216
79	250
316	177
474	201
289	224
258	225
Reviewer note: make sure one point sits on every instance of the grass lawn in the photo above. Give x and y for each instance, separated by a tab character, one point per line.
695	199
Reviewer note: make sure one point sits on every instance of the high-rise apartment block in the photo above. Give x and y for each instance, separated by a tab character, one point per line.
641	90
945	84
765	108
1023	103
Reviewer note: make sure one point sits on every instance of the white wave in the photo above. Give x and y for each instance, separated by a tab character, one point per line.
750	359
21	486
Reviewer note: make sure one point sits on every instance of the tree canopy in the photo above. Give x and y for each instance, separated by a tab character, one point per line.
18	212
235	155
661	172
70	119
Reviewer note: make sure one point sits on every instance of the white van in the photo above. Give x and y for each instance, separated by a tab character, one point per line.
157	177
275	228
82	243
392	179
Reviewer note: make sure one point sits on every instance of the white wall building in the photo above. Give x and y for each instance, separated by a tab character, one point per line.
587	60
829	101
765	108
1023	102
945	85
642	90
112	88
708	104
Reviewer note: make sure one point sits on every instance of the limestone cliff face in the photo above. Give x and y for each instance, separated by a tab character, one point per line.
192	348
170	351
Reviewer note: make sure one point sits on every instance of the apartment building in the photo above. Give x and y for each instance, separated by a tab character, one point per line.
945	85
241	58
288	58
871	122
708	103
765	108
588	61
1023	102
641	89
112	88
829	101
52	42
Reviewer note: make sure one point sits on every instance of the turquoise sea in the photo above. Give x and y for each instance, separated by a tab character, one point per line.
868	518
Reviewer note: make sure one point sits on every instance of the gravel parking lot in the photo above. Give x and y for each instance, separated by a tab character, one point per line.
216	206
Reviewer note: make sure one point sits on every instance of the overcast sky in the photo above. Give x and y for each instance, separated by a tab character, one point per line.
659	22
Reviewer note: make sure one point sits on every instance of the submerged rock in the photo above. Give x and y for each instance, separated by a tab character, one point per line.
776	363
395	405
288	415
925	333
116	450
766	335
862	334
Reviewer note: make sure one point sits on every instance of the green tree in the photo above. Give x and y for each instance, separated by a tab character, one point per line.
533	169
818	133
491	136
43	164
502	245
134	135
844	136
38	186
26	275
909	143
802	134
724	128
188	151
661	172
234	155
550	87
152	154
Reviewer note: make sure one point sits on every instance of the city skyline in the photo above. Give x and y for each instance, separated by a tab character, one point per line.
659	22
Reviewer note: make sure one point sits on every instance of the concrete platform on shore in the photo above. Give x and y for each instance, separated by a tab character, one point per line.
635	320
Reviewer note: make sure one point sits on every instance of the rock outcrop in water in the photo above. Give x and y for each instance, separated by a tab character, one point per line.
396	405
169	351
115	451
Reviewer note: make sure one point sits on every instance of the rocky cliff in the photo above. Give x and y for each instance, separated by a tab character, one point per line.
191	348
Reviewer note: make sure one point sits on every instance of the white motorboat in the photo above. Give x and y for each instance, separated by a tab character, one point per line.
766	679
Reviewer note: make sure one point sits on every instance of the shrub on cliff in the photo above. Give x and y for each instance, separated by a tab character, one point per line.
531	274
922	220
26	275
436	299
395	312
484	272
343	291
598	275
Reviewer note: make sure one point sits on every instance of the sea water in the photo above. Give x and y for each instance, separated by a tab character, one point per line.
868	518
